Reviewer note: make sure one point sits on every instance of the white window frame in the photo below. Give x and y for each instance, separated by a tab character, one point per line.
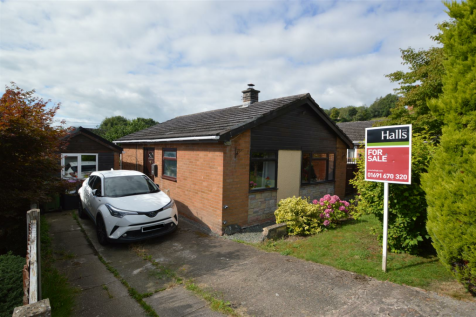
78	155
351	153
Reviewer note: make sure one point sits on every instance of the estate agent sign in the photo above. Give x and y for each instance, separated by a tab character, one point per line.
388	159
388	154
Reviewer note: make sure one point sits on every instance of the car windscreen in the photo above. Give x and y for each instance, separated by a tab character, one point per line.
128	185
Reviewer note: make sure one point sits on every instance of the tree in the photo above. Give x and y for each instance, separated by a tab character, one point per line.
113	128
450	184
334	114
422	82
407	205
381	106
347	113
417	86
351	112
362	114
30	168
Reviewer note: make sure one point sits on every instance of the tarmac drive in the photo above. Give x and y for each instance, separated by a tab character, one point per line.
256	283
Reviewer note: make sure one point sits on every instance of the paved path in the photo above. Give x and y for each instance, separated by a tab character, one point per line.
264	284
101	293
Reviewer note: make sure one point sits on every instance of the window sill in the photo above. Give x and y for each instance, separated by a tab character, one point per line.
317	183
262	190
172	179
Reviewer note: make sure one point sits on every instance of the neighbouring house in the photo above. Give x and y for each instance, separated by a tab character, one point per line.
355	130
87	152
232	165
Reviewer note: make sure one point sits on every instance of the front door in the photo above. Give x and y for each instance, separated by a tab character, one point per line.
149	153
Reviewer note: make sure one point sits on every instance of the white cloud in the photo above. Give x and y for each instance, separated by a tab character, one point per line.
164	59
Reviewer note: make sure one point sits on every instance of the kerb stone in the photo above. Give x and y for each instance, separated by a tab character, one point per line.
275	232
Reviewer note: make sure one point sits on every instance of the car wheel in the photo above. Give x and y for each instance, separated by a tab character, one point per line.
101	232
81	212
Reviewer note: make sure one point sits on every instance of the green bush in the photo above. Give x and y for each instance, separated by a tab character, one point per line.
407	203
11	283
304	218
300	216
451	180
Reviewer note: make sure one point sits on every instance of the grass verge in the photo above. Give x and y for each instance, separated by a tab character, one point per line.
54	285
132	292
352	247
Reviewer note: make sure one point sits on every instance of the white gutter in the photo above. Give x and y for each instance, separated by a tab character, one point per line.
193	138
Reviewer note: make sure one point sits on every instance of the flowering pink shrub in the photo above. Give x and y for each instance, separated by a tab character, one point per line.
331	208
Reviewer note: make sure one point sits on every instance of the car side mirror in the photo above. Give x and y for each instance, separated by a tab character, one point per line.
158	186
96	192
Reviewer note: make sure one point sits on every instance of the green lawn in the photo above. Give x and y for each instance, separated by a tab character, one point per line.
352	247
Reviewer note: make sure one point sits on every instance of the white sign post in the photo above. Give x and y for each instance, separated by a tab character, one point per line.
388	154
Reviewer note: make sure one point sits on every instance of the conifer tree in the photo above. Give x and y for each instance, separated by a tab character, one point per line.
450	184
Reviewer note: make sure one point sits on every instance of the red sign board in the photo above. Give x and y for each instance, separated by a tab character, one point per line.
388	154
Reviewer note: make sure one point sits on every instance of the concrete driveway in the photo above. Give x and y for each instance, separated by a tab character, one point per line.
257	283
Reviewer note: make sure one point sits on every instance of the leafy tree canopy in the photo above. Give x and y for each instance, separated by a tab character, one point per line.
113	128
379	108
420	84
334	113
29	147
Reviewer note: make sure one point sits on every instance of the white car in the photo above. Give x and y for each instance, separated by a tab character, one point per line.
126	206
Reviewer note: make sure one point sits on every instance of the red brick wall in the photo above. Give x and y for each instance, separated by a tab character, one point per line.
341	166
131	152
236	180
198	190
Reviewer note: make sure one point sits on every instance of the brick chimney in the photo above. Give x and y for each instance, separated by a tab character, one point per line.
250	95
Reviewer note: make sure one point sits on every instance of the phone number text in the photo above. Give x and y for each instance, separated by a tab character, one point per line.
402	177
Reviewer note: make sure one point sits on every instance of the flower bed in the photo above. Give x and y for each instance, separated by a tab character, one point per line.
305	218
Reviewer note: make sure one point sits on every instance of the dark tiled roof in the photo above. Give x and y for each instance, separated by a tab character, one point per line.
356	130
99	139
210	123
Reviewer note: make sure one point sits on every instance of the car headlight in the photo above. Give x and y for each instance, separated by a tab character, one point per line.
119	213
171	204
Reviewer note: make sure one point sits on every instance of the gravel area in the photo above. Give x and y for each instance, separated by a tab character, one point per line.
252	234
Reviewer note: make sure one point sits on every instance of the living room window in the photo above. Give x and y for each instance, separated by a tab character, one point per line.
78	166
263	170
317	167
169	164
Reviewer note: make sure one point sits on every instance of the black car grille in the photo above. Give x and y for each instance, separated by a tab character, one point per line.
139	234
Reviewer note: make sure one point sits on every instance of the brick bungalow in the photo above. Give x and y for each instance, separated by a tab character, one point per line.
232	165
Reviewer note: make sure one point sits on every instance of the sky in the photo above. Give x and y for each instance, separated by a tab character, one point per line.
162	59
